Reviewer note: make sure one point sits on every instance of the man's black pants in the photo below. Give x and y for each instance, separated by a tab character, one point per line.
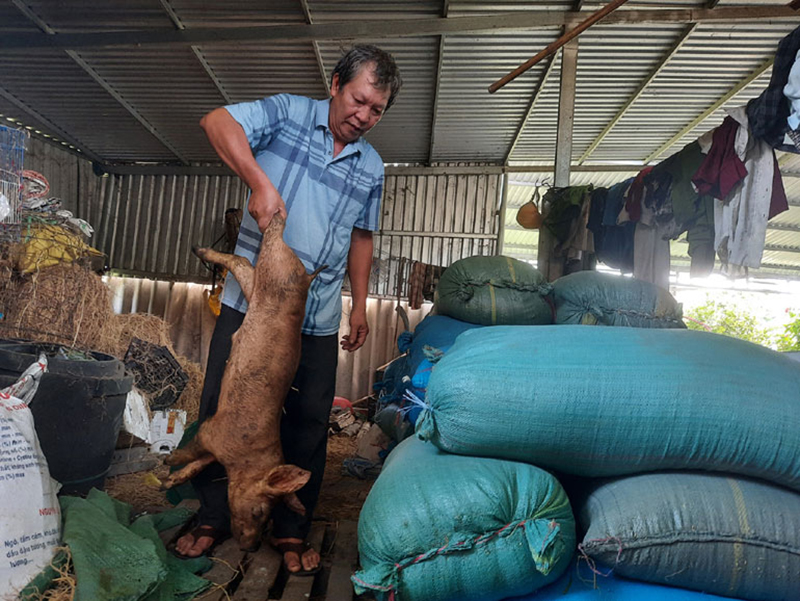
304	426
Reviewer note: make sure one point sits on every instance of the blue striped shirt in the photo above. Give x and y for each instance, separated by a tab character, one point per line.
325	197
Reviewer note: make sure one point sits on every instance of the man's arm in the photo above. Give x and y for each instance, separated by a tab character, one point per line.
230	142
359	266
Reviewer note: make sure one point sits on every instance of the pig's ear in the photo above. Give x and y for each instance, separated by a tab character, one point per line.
286	479
293	503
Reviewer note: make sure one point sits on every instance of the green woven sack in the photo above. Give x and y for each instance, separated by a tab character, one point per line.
592	298
440	527
494	291
707	532
614	401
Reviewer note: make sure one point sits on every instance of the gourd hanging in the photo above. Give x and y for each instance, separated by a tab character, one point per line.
528	215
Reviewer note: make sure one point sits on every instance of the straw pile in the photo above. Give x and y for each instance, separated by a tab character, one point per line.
70	305
66	304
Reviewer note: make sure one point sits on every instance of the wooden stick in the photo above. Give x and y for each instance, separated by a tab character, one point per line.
584	25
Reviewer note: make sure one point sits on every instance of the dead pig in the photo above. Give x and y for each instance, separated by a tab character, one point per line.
244	433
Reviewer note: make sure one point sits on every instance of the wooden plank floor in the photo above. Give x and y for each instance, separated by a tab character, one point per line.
258	576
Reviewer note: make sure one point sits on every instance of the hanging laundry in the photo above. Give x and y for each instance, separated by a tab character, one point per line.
778	203
651	258
792	92
768	113
693	213
741	221
722	169
616	248
633	197
563	207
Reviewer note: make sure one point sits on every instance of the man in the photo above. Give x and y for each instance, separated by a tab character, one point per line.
307	161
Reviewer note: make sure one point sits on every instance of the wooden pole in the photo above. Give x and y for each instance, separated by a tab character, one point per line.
573	33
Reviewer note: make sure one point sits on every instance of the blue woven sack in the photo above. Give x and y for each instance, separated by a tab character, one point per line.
592	298
613	401
582	583
708	532
441	527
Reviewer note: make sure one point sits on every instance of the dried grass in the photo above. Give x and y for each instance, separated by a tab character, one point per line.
70	305
137	490
66	304
63	587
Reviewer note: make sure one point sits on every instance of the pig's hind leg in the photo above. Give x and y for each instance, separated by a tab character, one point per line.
240	267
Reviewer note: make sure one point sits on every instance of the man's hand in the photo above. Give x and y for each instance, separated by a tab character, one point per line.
359	329
264	203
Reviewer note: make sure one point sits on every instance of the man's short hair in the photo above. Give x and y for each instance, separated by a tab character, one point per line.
386	71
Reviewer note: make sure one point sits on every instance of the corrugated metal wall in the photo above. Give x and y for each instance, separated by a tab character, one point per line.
147	224
70	177
434	219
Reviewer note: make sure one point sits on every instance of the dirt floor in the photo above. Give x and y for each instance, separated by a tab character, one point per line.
341	498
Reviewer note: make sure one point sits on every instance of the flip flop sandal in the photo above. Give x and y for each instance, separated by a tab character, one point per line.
202	531
300	549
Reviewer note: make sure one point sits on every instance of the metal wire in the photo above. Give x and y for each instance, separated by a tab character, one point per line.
12	156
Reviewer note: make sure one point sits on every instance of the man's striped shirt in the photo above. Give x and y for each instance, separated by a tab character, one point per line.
325	197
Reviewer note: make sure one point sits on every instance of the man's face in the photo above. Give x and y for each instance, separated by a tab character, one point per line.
357	106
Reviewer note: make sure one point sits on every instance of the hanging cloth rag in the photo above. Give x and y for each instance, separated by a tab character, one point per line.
722	169
768	113
634	195
792	92
741	221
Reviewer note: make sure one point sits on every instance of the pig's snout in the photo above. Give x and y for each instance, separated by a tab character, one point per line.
252	548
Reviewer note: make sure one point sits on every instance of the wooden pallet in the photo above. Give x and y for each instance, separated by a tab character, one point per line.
241	576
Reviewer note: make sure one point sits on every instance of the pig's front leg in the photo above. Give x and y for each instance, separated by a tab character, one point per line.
189	471
238	266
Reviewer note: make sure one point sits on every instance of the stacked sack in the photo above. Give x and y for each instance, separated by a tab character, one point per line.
609	402
438	526
396	414
609	409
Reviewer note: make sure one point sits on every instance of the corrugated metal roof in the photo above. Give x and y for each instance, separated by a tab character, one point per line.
643	90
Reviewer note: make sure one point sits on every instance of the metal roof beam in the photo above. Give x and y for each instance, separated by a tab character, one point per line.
710	110
532	106
176	20
54	130
391	170
637	94
315	44
439	61
386	28
49	32
125	104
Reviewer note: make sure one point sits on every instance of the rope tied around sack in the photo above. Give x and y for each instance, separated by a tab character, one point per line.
414	401
466	289
600	313
392	578
592	565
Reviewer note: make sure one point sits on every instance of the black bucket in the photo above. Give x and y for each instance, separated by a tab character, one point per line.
77	410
